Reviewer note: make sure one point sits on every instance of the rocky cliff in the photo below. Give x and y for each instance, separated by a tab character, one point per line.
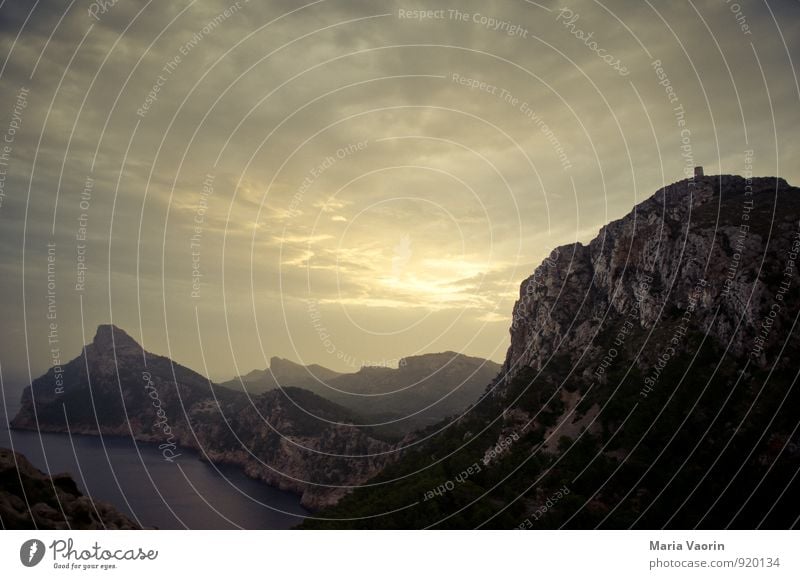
718	243
291	438
29	499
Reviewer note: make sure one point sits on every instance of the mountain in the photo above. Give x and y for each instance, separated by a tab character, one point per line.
29	499
649	383
423	389
282	372
290	438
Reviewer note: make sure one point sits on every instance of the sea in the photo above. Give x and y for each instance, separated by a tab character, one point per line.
186	493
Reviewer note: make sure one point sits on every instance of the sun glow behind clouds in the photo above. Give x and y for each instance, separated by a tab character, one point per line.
402	276
414	241
438	283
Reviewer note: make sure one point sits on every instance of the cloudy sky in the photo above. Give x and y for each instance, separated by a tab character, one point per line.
349	182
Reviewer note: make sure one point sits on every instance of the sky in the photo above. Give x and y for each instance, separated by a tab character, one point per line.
348	182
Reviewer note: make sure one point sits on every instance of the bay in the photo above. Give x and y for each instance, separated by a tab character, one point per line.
134	477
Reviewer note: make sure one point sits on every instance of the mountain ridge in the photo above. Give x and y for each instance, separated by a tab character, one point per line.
114	387
422	390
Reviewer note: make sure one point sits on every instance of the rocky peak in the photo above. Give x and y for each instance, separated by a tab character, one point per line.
424	361
443	362
694	193
695	241
286	370
282	367
110	338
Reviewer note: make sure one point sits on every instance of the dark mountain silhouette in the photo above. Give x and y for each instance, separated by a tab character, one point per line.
282	372
421	391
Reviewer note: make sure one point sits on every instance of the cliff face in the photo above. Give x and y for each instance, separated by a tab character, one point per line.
29	499
715	247
649	382
290	439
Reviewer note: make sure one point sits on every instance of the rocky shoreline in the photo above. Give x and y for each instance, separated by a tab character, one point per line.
29	499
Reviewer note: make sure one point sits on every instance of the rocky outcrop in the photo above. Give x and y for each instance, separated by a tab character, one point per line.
29	499
289	438
712	256
711	246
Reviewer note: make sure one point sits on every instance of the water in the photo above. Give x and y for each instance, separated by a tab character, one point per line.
135	478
